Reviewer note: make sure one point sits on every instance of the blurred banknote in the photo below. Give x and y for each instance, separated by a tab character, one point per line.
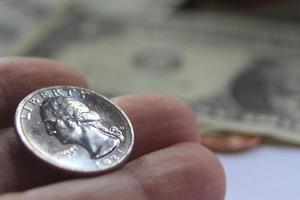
237	73
276	9
153	8
19	18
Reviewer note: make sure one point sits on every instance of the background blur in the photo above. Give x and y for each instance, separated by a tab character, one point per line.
235	62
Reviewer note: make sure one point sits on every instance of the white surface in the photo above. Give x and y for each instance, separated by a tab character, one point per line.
266	173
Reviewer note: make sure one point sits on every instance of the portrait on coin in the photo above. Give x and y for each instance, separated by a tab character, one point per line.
73	122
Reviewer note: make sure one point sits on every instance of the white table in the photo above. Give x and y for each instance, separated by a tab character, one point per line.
266	173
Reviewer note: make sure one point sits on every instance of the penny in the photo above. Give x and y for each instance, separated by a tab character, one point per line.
231	142
74	129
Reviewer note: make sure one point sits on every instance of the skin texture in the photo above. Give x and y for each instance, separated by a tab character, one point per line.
167	161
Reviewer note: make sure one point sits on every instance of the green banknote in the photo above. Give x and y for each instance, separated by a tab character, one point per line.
237	73
135	8
19	19
274	10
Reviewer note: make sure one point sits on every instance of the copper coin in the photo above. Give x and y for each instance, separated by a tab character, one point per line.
231	142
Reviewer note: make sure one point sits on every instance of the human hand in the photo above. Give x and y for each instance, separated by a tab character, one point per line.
166	163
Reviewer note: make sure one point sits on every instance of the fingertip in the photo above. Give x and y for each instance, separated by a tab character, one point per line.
43	71
204	171
209	172
201	169
160	108
159	121
20	76
185	171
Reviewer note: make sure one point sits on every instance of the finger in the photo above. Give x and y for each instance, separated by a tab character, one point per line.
21	76
182	172
159	121
167	122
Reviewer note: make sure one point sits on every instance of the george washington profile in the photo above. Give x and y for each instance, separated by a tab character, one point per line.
72	122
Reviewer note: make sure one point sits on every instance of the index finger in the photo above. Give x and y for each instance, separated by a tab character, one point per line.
21	76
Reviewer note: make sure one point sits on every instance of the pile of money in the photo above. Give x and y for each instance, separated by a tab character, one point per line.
239	73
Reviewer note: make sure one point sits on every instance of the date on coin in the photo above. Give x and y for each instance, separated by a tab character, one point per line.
74	129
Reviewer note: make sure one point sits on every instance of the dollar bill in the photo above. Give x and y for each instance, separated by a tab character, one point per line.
237	73
285	11
18	19
134	8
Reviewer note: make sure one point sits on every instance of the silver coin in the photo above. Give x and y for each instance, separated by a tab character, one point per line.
74	129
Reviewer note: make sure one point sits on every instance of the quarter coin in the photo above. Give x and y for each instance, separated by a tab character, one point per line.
74	129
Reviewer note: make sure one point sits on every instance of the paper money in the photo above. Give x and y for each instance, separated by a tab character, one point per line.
286	11
135	8
18	19
237	73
